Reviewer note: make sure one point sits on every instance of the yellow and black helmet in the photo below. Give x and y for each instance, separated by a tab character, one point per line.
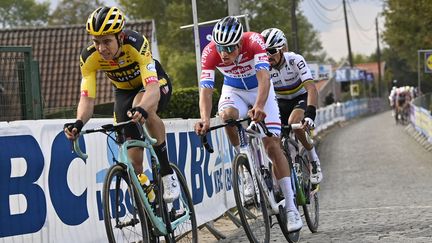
105	21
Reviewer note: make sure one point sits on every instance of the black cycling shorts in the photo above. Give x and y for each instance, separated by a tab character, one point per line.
124	99
287	106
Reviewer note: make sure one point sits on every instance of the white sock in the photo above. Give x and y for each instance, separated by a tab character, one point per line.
285	185
313	155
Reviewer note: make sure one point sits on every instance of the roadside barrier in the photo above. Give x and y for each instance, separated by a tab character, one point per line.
48	194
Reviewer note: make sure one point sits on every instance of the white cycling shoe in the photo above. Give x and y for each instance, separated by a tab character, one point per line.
171	188
248	187
316	175
294	221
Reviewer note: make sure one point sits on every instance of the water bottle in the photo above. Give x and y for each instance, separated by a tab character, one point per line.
148	188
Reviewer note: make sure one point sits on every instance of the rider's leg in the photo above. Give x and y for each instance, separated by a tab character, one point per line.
282	171
156	129
231	131
296	117
232	106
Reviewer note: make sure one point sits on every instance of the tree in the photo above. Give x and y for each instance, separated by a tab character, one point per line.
177	45
407	30
23	13
276	13
73	12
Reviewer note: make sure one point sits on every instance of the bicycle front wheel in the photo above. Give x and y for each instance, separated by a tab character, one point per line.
182	213
252	207
311	208
124	215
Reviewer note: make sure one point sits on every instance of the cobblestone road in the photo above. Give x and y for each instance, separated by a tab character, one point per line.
375	188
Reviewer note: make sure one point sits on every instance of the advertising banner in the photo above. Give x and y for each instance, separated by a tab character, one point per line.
49	194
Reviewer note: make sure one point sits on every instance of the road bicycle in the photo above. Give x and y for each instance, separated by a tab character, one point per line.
306	193
252	167
129	215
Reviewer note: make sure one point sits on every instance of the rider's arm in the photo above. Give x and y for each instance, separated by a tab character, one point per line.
312	98
263	77
205	104
88	89
85	109
262	67
151	96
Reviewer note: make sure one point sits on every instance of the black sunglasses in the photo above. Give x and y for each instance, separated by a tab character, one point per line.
228	49
272	51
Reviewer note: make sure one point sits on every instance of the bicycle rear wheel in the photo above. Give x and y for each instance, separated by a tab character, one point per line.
291	237
124	215
311	208
253	209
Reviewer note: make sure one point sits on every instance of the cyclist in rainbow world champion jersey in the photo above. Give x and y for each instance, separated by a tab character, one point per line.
295	91
242	59
139	83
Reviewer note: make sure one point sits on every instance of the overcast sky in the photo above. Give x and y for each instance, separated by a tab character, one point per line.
328	20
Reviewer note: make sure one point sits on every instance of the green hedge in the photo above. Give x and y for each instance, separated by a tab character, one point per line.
183	104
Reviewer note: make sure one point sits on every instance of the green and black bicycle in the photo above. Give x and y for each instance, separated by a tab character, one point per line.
129	215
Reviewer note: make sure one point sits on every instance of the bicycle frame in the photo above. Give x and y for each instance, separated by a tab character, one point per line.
124	160
293	142
252	146
258	159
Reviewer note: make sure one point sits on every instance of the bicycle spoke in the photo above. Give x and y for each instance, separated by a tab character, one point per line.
252	211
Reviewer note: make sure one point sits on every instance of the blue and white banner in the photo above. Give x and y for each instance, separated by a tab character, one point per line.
205	35
48	194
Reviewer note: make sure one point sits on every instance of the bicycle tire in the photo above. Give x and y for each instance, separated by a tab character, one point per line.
187	231
311	208
117	205
291	237
253	214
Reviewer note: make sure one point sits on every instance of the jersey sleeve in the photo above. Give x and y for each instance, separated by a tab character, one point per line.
260	56
209	58
88	81
303	69
146	63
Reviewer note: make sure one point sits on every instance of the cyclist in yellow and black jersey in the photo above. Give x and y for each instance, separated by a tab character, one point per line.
141	86
132	69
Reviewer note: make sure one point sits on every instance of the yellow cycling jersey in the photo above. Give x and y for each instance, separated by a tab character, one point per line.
134	67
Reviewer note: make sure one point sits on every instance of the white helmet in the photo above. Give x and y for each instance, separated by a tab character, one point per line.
227	31
274	38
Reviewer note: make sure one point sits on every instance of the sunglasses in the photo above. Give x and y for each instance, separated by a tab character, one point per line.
228	49
272	51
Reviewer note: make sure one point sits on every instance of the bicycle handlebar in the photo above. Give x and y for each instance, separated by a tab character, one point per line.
230	122
254	129
112	128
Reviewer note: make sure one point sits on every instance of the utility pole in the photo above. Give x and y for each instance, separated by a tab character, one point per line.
378	57
348	36
294	27
349	46
233	7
